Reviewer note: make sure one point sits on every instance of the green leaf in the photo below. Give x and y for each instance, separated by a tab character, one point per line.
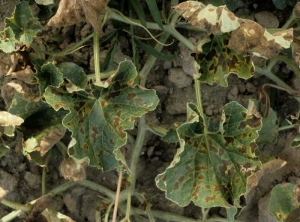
139	11
280	4
150	50
232	4
23	108
45	12
3	150
284	199
210	167
7	40
47	75
231	212
23	24
98	124
269	131
171	136
75	75
108	63
217	61
217	2
155	13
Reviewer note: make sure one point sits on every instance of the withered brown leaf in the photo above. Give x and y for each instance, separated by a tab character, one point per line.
71	12
252	38
216	20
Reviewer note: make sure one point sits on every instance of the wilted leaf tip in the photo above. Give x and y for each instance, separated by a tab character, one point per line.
71	12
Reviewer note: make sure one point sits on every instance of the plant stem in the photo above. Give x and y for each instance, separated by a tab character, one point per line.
289	22
11	216
103	75
171	30
287	61
128	207
198	97
96	58
57	190
204	214
137	149
113	14
163	215
274	78
107	211
115	212
150	61
67	51
16	206
49	154
287	127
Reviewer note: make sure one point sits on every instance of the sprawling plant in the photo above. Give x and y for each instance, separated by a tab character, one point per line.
215	156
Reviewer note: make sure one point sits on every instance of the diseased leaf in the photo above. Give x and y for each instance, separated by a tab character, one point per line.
216	20
75	76
47	75
71	12
268	167
252	38
24	25
7	40
44	140
26	75
211	166
98	124
284	199
23	108
247	36
217	61
269	132
8	119
72	169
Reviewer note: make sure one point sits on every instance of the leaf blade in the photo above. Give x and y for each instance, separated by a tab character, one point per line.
153	51
155	13
98	124
210	169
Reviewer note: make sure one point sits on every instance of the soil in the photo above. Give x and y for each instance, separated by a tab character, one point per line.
175	88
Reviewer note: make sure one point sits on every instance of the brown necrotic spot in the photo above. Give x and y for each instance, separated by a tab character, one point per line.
94	134
201	167
176	186
139	101
81	130
130	96
85	146
210	198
